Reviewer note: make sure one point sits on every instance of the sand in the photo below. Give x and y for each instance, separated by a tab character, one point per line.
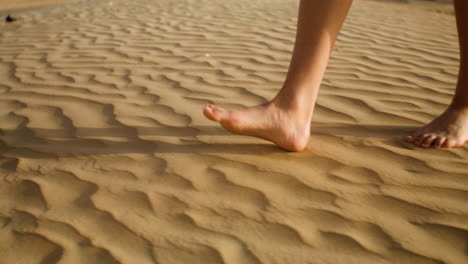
14	5
107	158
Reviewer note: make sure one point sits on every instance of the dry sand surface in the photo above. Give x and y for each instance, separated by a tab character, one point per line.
19	4
107	158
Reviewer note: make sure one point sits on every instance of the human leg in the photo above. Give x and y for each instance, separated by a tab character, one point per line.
450	129
286	119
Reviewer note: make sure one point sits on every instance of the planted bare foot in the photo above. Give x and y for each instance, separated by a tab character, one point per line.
447	131
288	129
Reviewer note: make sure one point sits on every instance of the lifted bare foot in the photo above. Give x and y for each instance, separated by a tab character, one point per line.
447	131
286	129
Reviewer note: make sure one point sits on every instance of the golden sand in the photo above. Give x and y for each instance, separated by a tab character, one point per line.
107	158
18	4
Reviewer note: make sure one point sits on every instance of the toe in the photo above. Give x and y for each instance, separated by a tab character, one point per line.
412	138
214	113
450	143
208	112
420	139
409	139
439	141
428	141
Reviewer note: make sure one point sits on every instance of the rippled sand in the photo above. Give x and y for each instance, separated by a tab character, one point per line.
14	5
107	158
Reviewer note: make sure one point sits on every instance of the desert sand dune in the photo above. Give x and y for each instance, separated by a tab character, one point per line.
106	157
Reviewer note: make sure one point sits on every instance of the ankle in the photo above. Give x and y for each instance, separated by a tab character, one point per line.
294	103
295	111
459	105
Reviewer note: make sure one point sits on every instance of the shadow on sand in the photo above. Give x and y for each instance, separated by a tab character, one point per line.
42	143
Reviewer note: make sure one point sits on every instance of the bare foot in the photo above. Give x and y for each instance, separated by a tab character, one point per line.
286	129
447	131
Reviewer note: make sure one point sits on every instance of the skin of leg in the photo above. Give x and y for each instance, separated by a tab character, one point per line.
286	119
450	129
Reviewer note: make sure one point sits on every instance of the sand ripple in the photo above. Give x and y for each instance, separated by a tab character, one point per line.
106	157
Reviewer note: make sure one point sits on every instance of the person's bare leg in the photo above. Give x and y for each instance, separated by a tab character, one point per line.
451	128
286	119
